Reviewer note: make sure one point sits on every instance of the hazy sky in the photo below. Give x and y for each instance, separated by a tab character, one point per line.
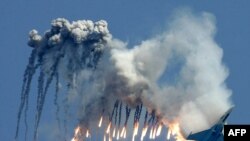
128	20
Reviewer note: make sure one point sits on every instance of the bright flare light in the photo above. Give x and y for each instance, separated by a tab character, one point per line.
174	131
158	133
108	128
154	132
114	133
135	132
144	132
123	131
87	134
118	135
76	134
104	138
151	133
100	122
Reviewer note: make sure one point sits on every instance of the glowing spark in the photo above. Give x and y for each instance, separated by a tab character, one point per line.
100	122
108	128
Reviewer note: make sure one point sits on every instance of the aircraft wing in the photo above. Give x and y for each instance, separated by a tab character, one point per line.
221	138
198	136
206	135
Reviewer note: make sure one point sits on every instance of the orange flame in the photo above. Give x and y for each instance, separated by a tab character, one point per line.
116	133
136	128
174	130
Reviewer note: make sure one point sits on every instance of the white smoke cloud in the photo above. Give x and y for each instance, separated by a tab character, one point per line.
199	96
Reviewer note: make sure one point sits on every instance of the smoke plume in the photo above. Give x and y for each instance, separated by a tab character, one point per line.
177	76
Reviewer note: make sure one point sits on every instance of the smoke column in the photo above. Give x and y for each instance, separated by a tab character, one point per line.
100	71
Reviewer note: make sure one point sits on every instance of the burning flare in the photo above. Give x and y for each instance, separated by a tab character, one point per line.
158	132
144	132
135	132
113	131
175	131
123	133
108	128
87	134
77	134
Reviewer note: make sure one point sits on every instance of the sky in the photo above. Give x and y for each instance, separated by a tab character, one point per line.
129	20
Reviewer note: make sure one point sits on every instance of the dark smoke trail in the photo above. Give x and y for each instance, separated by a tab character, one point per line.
42	100
27	77
120	115
56	101
139	112
136	114
151	119
156	121
66	113
113	111
40	88
128	110
40	83
145	118
116	111
40	91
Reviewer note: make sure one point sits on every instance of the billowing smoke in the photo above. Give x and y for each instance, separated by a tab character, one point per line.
175	77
